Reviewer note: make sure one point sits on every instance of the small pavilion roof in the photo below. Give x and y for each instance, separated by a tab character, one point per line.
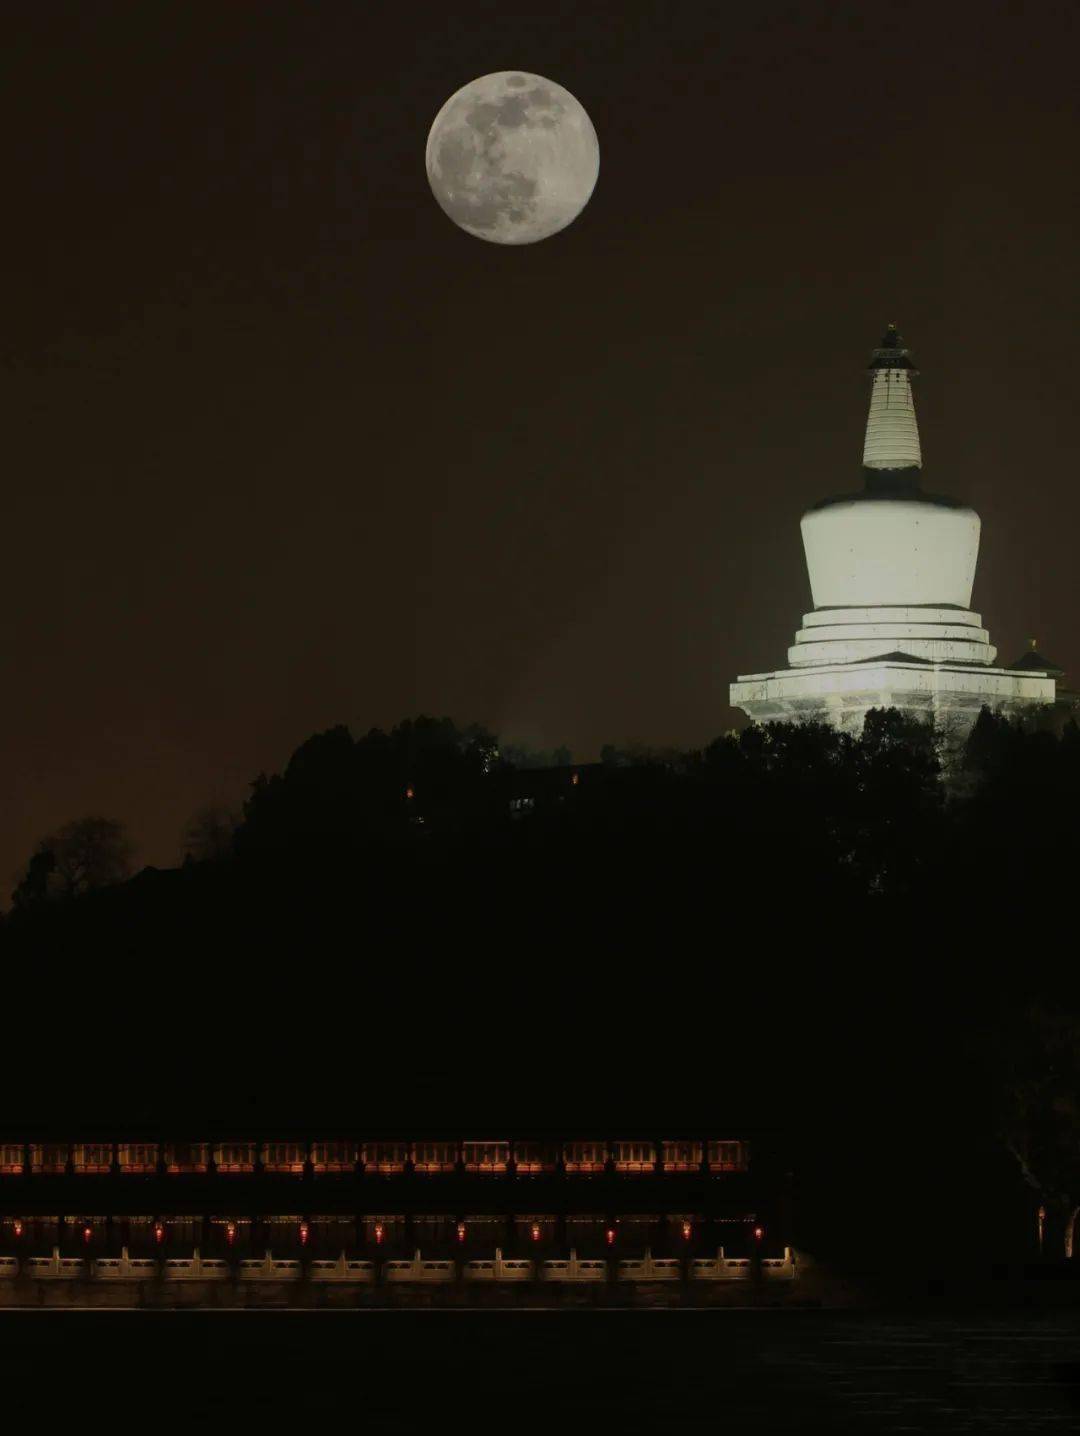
1034	662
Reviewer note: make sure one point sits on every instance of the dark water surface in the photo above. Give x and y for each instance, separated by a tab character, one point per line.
682	1371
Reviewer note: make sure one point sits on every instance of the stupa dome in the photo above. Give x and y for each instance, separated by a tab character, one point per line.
893	549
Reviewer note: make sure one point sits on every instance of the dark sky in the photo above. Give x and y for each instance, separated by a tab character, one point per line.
284	448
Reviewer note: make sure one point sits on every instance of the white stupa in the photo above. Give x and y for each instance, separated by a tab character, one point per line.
891	573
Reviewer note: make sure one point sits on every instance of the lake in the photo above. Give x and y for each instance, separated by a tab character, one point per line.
656	1370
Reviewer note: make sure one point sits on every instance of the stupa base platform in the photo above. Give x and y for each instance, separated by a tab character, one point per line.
841	694
924	634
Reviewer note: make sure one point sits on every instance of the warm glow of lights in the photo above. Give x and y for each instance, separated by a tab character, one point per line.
534	1231
609	1236
159	1231
573	780
17	1227
686	1231
379	1233
461	1231
230	1232
409	793
87	1232
759	1232
304	1234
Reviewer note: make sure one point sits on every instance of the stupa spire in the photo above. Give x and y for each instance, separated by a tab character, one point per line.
892	433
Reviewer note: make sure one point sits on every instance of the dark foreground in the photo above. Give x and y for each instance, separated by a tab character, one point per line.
662	1370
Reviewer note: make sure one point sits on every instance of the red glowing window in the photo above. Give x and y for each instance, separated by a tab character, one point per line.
533	1157
687	1231
11	1160
728	1156
386	1157
759	1232
17	1227
137	1157
409	794
431	1157
187	1157
486	1156
285	1157
159	1232
235	1156
333	1156
92	1157
682	1156
48	1157
380	1232
584	1157
635	1157
534	1231
461	1231
304	1234
230	1232
87	1232
609	1236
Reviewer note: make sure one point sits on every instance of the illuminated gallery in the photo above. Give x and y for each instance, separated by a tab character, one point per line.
218	1221
891	573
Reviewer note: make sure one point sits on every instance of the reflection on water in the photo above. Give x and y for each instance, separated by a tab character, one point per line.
534	1370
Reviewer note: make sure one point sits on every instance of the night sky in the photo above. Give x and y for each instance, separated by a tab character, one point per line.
284	448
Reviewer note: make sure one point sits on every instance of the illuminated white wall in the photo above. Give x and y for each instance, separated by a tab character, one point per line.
898	552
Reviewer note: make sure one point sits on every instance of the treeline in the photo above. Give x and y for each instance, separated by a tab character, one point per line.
835	868
786	808
793	925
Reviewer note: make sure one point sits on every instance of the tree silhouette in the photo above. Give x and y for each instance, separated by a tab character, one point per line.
34	887
82	856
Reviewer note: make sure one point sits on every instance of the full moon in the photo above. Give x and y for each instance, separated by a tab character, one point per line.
512	157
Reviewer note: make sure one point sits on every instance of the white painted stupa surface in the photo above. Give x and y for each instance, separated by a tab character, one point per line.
891	574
